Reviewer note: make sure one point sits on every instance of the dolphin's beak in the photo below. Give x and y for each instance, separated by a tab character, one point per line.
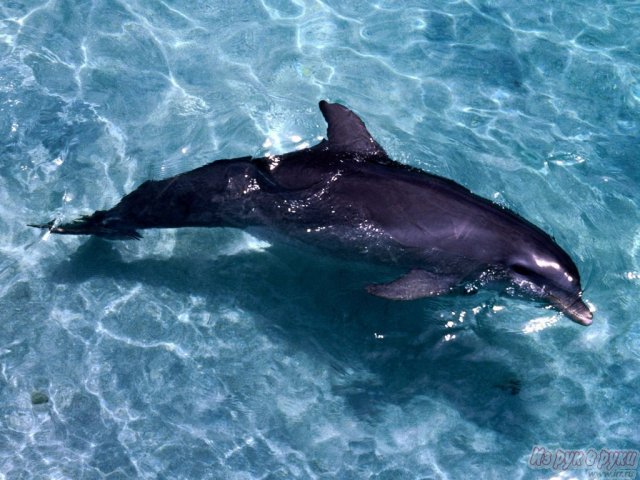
575	309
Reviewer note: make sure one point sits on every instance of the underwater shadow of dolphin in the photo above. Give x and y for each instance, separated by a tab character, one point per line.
347	197
411	361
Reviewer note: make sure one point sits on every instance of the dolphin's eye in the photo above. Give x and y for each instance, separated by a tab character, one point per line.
522	270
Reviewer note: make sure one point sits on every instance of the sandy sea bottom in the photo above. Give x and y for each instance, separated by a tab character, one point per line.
212	354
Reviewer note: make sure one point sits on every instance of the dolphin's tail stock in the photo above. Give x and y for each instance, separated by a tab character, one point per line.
98	223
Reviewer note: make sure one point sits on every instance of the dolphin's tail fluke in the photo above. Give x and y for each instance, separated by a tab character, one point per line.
98	224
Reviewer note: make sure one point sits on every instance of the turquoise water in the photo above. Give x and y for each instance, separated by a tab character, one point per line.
212	354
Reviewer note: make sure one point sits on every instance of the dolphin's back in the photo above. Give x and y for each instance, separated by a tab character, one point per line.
385	203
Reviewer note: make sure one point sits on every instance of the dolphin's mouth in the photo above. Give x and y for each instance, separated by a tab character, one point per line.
575	309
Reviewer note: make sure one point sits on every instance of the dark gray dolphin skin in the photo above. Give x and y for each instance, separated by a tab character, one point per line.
345	195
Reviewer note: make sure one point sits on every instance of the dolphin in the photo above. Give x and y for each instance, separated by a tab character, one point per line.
346	196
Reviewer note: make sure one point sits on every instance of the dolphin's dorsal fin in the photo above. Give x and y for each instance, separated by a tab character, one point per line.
346	132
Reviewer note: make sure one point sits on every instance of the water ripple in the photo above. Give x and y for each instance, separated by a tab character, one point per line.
210	354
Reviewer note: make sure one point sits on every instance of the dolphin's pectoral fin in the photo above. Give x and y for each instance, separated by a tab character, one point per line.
346	132
415	284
